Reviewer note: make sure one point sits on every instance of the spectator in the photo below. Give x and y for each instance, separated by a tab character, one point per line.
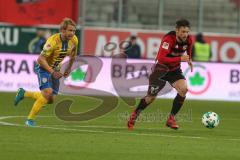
201	49
36	44
133	50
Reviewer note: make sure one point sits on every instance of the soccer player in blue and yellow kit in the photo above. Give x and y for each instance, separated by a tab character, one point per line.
57	47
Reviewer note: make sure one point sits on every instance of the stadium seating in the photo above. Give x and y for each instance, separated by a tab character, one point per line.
218	15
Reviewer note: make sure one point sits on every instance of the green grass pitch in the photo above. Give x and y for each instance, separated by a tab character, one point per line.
107	137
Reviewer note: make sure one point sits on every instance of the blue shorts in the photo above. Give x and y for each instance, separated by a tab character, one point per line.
46	80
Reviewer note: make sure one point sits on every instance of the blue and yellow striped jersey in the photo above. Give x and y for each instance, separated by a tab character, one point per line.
55	50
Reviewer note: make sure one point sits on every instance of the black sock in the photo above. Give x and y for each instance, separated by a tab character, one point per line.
141	106
177	104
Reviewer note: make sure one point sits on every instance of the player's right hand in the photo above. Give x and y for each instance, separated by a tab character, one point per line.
185	58
57	75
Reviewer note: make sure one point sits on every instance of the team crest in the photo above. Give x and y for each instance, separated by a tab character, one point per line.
44	80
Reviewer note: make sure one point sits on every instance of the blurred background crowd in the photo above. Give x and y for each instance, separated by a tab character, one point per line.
26	24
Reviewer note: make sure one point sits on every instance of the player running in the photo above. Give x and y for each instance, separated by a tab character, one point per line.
175	48
57	47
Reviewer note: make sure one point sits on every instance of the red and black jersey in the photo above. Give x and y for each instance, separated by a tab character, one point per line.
171	50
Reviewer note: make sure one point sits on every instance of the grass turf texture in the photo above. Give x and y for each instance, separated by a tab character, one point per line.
108	138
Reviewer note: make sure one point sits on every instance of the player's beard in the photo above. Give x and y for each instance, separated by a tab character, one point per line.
182	39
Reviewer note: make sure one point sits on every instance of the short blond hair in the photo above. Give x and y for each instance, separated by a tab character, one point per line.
66	22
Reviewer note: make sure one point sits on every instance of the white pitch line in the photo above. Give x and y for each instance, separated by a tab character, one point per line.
106	132
98	126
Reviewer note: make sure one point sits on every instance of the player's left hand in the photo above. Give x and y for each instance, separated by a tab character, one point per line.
66	73
190	65
57	74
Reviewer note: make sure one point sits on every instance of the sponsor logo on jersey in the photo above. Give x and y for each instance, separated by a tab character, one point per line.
185	47
176	54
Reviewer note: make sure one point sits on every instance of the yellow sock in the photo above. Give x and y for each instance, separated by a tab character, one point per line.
34	95
37	106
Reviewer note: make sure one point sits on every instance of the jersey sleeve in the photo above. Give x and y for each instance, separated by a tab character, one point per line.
165	49
48	47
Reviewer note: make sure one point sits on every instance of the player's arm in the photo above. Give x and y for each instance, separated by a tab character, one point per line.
72	58
42	59
189	53
43	63
70	63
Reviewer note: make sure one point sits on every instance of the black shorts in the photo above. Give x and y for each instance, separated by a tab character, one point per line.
160	76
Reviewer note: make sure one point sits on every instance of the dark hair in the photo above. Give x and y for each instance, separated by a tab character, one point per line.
133	37
199	38
182	23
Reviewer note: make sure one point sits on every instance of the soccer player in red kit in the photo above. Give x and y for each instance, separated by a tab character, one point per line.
175	48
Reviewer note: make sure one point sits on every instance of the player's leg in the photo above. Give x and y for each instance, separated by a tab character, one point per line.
179	83
144	102
155	85
181	87
44	98
22	93
33	95
55	87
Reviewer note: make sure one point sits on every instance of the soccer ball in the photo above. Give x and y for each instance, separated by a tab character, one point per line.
210	119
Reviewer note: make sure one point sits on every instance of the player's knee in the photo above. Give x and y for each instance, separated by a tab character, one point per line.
183	91
149	99
48	96
50	100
